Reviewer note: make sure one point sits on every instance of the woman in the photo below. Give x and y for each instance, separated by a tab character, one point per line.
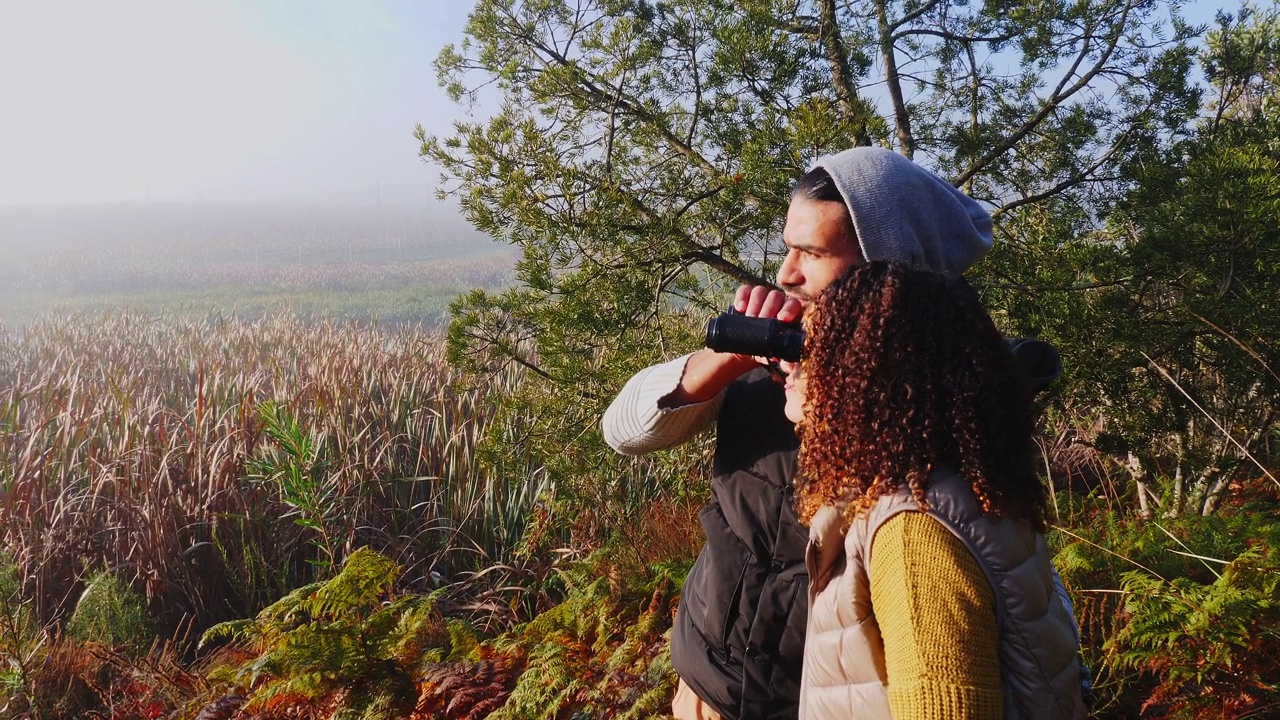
931	593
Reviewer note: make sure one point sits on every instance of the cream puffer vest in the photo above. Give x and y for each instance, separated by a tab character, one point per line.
1039	664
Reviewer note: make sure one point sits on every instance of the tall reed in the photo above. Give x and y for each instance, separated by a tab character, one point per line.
142	445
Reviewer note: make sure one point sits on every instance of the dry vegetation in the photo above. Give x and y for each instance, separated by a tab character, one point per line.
216	463
160	474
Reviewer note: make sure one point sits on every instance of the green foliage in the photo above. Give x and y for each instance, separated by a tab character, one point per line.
348	638
294	465
601	653
1241	62
1178	617
1165	308
1184	338
1215	647
19	637
112	613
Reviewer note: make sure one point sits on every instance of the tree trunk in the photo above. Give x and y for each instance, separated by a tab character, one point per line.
1219	483
1179	492
893	81
1214	494
1139	476
841	73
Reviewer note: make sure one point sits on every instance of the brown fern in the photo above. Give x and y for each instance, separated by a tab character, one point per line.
467	690
1098	615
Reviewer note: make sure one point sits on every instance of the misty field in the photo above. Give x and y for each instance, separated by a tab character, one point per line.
392	264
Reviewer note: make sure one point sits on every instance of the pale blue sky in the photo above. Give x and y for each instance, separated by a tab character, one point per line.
268	101
235	100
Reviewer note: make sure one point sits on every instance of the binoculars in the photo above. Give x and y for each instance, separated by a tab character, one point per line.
733	332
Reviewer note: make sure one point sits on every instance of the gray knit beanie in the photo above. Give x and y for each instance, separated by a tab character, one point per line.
904	213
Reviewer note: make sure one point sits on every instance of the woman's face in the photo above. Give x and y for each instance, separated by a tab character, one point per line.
795	386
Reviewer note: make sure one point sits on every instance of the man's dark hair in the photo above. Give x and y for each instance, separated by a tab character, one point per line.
818	185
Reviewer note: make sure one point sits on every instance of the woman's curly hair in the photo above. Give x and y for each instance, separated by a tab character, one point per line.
905	372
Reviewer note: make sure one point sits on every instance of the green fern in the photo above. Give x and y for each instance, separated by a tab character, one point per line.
1168	607
1214	648
602	653
346	640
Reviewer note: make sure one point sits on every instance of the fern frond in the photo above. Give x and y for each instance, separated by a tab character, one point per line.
367	576
471	689
236	630
288	610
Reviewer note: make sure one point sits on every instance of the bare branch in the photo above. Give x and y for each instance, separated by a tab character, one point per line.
1060	94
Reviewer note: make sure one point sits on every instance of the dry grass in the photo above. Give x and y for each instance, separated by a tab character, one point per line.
129	442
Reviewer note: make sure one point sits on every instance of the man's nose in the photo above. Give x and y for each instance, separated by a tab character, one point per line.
788	274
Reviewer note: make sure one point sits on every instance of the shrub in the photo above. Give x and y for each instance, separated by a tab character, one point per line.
113	614
1179	617
347	642
1214	647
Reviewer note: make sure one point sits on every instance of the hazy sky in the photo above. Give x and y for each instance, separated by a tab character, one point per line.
297	101
267	101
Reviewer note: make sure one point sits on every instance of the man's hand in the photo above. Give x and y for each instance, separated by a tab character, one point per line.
766	302
708	372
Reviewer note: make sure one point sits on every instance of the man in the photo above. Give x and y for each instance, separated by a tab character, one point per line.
738	638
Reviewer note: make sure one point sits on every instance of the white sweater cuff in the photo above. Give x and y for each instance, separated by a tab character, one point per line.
635	423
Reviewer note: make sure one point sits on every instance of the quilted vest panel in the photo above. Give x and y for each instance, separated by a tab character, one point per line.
1040	667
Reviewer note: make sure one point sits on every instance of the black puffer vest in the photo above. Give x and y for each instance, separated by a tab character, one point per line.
738	639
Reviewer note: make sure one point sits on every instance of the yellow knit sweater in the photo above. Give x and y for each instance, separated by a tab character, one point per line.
936	613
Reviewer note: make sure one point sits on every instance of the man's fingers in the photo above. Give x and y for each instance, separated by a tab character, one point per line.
773	302
756	300
791	310
762	301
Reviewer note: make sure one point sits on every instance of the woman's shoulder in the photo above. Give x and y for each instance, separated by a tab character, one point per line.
915	540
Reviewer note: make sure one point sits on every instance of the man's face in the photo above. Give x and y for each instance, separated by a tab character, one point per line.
820	246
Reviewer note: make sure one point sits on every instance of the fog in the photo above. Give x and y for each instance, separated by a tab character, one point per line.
180	147
31	235
59	253
398	263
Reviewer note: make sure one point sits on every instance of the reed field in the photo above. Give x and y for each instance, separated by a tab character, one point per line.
164	474
194	431
215	463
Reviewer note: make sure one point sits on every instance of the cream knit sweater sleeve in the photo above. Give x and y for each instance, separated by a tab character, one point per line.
636	422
